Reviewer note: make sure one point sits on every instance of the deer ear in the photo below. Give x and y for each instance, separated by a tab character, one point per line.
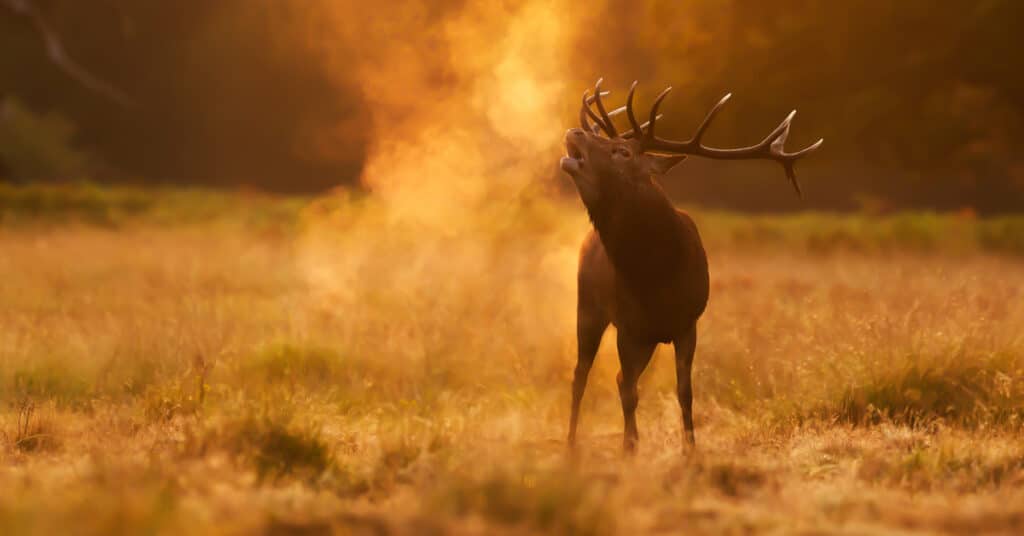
660	165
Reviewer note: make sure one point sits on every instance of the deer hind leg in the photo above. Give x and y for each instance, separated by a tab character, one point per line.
634	356
685	347
589	329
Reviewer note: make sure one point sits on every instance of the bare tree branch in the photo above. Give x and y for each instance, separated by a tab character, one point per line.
59	57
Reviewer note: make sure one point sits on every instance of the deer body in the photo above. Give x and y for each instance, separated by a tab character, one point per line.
650	280
643	267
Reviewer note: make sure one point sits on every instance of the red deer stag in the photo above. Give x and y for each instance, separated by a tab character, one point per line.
642	267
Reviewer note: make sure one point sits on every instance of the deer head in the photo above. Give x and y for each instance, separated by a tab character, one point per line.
605	166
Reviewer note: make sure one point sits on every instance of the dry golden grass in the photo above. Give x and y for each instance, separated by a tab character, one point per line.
353	374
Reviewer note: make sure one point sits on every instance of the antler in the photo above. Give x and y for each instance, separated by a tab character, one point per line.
638	129
605	121
771	147
586	112
599	124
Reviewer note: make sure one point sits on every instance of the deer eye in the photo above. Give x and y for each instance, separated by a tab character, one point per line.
622	152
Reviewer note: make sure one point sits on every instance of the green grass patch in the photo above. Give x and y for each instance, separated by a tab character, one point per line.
273	444
71	380
115	206
1004	235
534	213
969	391
291	364
942	466
559	502
48	380
826	233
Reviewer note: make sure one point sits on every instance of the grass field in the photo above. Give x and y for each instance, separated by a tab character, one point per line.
194	362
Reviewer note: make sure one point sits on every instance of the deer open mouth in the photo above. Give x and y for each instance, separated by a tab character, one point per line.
572	163
574	152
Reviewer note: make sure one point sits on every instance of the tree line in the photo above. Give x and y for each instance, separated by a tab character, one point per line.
921	103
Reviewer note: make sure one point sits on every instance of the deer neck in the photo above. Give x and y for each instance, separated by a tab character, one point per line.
640	231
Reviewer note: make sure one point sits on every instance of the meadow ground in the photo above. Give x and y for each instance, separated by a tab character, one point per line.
194	362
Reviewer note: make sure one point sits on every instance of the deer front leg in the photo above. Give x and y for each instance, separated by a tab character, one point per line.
685	347
633	358
588	338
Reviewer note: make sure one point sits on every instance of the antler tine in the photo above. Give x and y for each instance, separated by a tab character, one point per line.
776	141
584	111
654	113
587	99
609	126
781	131
629	110
806	150
632	133
710	117
788	160
616	111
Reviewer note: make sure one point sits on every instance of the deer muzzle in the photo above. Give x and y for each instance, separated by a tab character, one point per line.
573	161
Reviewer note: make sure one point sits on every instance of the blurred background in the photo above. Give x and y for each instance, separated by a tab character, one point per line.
921	103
